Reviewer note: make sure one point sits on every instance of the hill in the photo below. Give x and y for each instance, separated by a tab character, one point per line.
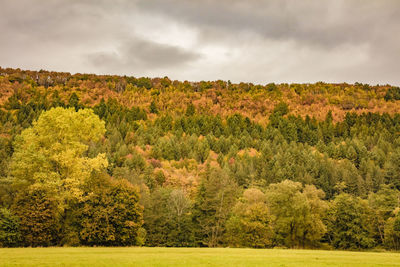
112	160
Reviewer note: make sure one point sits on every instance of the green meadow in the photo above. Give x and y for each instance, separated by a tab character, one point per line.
142	256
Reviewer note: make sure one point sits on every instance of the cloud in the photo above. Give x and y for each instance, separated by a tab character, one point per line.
137	54
316	22
257	41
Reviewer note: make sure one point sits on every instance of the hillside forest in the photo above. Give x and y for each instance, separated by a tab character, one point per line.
105	160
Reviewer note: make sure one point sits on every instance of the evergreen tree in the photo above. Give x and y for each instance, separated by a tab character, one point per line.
39	215
217	195
10	235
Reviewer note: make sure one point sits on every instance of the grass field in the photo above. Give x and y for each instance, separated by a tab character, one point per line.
190	257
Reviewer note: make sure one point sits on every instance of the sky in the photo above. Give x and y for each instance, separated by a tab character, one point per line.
258	41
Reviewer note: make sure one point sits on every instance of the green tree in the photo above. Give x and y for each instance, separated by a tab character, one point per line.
392	168
74	101
392	93
167	219
250	222
190	110
217	195
201	150
382	204
110	213
281	109
153	107
297	214
9	229
392	232
349	226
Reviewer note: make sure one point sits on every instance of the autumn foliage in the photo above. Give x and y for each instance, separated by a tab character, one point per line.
118	161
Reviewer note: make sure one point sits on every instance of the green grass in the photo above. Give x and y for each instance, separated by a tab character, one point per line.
190	257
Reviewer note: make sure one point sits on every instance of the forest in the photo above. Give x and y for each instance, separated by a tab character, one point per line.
106	160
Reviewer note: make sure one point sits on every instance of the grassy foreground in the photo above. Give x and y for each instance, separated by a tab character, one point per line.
190	257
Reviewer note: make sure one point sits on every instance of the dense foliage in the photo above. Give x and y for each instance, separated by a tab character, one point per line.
118	161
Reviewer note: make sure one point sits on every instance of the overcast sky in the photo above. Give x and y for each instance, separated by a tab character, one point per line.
258	41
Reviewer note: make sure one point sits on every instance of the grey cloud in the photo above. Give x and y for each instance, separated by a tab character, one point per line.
137	54
311	24
59	21
318	22
256	40
94	33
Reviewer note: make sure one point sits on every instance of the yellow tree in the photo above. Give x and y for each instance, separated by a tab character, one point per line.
250	222
53	152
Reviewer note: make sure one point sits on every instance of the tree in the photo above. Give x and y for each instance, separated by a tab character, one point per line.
39	215
393	169
190	110
349	227
392	231
297	214
201	150
392	93
153	107
144	82
110	213
9	229
179	214
281	109
382	204
155	218
250	222
52	151
74	101
216	196
167	219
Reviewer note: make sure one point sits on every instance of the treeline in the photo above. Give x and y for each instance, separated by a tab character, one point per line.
80	171
163	95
